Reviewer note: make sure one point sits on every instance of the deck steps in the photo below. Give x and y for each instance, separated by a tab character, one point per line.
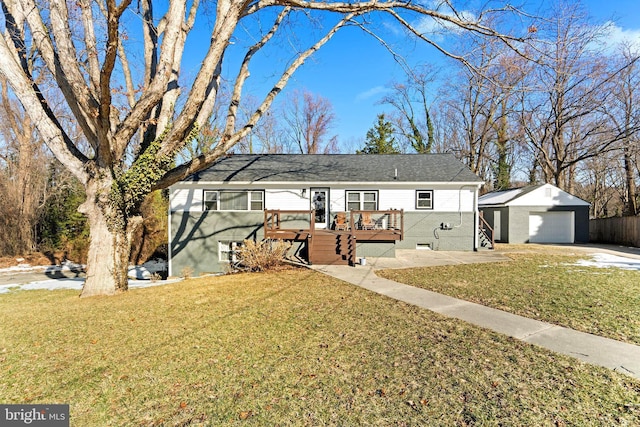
332	247
484	240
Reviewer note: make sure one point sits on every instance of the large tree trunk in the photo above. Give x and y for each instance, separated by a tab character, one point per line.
631	205
110	243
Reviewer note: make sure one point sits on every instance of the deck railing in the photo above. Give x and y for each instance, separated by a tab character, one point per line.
286	223
363	224
391	220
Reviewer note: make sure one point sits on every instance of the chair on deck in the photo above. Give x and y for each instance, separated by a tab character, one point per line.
366	223
341	221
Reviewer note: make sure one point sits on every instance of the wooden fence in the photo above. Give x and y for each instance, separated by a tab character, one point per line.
621	231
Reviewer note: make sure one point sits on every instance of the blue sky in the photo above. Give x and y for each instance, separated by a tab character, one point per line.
353	69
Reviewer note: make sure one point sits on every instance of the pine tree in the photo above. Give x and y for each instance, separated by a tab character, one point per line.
380	139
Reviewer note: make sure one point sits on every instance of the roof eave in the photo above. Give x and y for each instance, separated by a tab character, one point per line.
330	183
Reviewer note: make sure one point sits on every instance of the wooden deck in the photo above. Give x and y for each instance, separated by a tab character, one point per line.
331	246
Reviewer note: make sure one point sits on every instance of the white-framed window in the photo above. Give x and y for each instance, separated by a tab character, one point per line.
233	200
424	199
362	200
210	200
256	200
228	251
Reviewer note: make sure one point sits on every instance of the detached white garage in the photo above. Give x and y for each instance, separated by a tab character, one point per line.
536	214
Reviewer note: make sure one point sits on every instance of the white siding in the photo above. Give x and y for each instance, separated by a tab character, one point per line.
185	199
337	199
286	199
548	195
444	199
454	200
397	199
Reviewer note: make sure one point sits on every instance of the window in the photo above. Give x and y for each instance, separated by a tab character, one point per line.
362	200
257	200
424	199
210	200
228	251
233	200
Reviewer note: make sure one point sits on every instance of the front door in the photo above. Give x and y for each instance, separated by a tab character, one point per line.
320	202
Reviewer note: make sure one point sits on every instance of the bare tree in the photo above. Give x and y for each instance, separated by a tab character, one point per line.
23	177
481	102
560	113
603	184
412	101
309	119
269	135
623	110
133	124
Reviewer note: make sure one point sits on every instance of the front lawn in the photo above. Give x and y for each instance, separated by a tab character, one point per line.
287	348
544	285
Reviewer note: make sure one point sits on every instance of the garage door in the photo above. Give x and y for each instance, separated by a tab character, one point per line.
551	227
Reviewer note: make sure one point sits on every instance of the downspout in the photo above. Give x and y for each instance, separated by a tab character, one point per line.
475	212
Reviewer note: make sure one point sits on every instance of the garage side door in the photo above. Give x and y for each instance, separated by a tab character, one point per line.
551	227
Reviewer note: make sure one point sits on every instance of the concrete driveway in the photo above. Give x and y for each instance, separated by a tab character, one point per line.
16	277
407	258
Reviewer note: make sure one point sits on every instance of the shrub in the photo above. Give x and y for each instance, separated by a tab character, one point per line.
186	272
264	255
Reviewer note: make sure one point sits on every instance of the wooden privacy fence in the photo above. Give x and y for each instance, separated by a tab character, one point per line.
621	231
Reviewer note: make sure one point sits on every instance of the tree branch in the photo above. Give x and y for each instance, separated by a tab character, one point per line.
243	74
66	73
158	86
90	44
40	113
228	141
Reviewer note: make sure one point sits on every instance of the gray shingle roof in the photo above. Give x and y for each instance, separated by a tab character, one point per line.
336	168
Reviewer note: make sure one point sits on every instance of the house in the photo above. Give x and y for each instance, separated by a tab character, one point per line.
536	214
335	208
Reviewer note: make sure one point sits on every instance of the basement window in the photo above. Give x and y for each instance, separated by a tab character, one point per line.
228	251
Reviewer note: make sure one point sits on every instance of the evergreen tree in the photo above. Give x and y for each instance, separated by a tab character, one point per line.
380	139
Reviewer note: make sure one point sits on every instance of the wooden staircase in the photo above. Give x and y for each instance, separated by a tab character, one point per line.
332	247
485	235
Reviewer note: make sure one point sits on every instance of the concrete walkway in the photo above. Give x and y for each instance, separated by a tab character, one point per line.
616	355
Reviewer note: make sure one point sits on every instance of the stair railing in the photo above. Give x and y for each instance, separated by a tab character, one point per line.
486	230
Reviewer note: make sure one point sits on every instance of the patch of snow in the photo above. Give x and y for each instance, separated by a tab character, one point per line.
20	268
139	276
602	260
55	284
139	272
142	272
147	270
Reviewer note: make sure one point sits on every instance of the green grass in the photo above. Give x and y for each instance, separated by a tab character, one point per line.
287	348
544	286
